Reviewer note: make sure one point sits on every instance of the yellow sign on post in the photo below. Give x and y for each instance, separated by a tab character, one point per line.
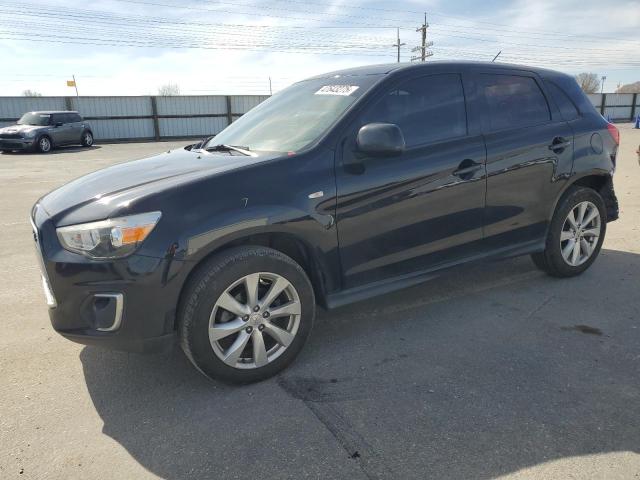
71	83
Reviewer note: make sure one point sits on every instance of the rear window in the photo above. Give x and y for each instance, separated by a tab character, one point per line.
514	101
568	110
74	117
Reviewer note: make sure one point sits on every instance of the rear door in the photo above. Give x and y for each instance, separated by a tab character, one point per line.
529	153
402	214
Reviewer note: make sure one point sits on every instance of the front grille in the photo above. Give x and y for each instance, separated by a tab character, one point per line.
10	136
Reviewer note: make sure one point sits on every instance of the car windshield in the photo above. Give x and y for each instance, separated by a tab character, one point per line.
39	119
296	117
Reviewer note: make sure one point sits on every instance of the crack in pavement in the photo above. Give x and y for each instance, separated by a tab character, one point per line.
356	446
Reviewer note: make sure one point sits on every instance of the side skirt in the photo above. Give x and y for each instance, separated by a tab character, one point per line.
356	294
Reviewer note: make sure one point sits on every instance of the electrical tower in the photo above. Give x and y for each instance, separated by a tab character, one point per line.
424	53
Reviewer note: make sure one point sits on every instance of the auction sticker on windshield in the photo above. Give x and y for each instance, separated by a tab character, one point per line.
343	90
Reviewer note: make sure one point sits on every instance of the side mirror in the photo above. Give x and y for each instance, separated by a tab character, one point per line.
380	139
59	124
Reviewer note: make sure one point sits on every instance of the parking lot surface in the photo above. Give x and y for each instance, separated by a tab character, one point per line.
492	370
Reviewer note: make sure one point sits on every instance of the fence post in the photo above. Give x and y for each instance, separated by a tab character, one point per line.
634	100
67	102
154	113
229	113
603	103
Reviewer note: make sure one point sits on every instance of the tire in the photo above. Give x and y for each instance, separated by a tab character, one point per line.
202	313
44	144
564	238
87	139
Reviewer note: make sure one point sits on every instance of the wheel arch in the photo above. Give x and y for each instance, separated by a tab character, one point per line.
285	242
599	180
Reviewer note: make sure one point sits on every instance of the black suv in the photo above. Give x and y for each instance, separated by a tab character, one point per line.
341	187
42	131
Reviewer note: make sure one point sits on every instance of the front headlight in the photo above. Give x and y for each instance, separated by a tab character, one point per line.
29	134
115	237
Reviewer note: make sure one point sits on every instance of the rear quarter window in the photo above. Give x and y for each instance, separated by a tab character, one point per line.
566	106
513	101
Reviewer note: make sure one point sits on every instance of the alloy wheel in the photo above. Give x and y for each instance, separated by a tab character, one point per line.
45	144
255	320
580	233
88	139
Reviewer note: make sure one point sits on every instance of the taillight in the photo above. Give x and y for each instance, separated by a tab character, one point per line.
615	133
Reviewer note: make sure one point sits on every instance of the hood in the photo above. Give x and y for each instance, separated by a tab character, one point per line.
103	193
20	129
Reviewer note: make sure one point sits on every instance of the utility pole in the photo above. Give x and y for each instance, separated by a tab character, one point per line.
424	53
604	77
494	58
270	88
398	44
75	84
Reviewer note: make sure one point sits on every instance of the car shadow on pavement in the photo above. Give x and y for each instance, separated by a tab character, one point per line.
55	151
488	370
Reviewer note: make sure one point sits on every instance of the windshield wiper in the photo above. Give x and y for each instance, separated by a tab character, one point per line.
228	148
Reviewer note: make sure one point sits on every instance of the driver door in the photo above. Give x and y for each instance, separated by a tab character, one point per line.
422	209
61	134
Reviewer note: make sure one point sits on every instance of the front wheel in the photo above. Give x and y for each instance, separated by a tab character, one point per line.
246	314
87	139
575	234
44	144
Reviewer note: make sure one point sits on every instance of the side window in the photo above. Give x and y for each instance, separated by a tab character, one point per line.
566	106
513	101
57	118
75	117
427	109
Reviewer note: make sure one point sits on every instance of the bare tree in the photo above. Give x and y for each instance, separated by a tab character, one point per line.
589	82
31	93
629	88
169	89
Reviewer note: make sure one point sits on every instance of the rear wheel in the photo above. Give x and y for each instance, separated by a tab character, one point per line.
87	139
246	314
44	144
575	235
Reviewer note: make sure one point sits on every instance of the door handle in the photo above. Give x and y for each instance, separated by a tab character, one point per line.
467	168
559	143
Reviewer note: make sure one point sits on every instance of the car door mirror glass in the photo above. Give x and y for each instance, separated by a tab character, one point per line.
380	139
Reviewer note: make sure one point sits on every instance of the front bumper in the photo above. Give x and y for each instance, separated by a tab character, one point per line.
125	304
17	143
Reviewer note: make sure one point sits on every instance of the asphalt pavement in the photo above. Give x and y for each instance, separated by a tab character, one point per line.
493	370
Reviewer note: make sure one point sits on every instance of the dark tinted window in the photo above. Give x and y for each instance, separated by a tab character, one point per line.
74	117
427	109
58	118
514	101
564	103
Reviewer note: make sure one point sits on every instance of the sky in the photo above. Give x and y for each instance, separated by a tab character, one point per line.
132	47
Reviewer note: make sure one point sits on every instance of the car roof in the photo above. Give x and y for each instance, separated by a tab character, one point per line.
388	68
51	112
